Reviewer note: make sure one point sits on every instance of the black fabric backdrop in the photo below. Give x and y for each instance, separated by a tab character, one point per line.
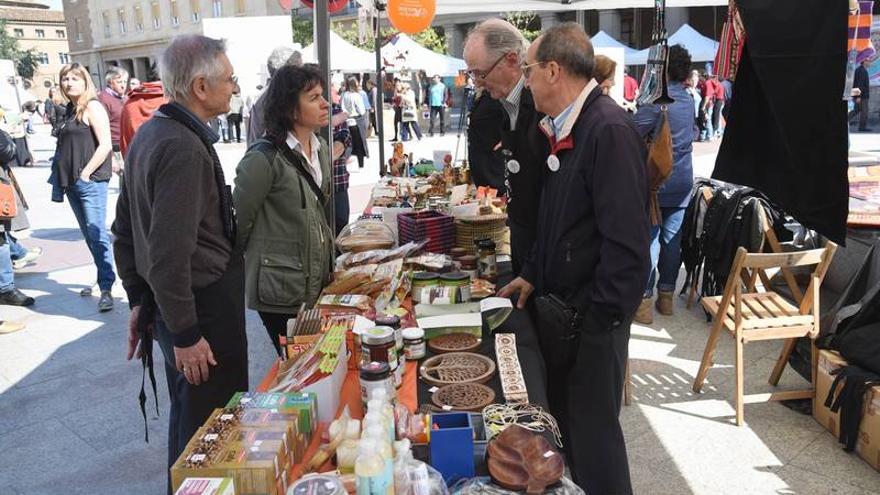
787	132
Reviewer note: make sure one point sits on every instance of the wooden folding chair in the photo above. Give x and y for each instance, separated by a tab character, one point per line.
752	316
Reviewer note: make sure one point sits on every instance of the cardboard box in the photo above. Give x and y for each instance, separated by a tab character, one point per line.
868	444
302	403
254	473
828	362
206	486
257	439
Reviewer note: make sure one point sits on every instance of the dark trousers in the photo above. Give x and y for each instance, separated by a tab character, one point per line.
343	209
234	120
863	113
276	326
585	398
521	241
716	116
398	121
434	112
220	308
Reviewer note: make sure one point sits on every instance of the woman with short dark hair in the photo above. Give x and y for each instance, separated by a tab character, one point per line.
283	201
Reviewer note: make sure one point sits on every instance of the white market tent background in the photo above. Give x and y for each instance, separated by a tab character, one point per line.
701	48
343	56
402	52
603	40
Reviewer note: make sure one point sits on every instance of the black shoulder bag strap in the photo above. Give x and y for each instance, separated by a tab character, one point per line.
297	160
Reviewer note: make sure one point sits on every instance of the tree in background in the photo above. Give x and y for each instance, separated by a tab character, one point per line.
26	61
528	23
429	38
303	31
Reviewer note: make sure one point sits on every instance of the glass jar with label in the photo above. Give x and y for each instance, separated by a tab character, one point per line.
420	281
460	282
414	343
488	264
376	376
377	344
469	265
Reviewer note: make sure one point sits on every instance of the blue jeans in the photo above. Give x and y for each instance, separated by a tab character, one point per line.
708	130
16	250
7	277
666	250
88	200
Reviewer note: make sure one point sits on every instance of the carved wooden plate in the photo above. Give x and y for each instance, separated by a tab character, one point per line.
463	397
454	342
457	367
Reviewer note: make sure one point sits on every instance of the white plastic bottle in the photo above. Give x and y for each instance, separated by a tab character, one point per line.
383	446
387	411
372	476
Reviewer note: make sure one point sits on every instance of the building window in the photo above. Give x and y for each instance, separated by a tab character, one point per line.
43	57
107	29
76	25
60	33
196	7
217	8
120	14
175	16
157	14
41	33
64	57
138	18
239	7
19	33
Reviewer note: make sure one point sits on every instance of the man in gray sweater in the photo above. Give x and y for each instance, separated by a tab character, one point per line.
175	232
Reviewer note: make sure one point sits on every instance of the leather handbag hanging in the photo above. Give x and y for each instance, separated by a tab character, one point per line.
8	208
659	162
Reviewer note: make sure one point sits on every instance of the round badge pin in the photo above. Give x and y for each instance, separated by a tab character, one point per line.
553	163
513	166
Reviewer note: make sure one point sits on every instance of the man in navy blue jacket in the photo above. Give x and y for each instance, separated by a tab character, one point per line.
591	252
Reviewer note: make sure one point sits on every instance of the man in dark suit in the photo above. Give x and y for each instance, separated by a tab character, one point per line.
494	52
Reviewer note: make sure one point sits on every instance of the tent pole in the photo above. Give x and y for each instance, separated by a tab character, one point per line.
380	86
322	42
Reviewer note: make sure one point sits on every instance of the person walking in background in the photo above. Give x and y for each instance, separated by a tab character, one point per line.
283	200
9	294
341	153
236	105
718	106
674	194
14	124
280	56
861	81
175	239
397	106
694	89
707	91
409	114
366	90
353	105
83	168
142	103
630	91
53	109
437	102
113	98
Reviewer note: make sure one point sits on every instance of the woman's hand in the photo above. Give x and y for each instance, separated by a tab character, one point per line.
85	177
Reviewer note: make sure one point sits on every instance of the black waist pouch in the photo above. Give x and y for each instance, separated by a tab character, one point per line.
559	327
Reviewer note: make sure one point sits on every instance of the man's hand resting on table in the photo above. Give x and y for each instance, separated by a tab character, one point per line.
519	286
193	361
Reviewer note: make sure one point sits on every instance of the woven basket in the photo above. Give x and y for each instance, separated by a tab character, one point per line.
418	226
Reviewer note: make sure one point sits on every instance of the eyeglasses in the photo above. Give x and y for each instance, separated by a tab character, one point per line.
527	68
483	75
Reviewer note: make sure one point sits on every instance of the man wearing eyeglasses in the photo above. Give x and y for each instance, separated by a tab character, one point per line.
494	52
588	267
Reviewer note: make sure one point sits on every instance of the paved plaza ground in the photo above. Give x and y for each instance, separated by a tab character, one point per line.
70	422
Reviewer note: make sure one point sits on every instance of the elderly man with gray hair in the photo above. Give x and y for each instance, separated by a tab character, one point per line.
280	56
494	52
175	232
588	267
113	97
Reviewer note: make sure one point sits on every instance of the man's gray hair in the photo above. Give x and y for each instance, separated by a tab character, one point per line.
569	46
281	56
187	57
500	37
115	72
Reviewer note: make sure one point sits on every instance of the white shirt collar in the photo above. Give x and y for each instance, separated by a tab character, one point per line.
313	161
568	117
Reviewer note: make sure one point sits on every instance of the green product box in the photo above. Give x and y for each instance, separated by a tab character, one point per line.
305	404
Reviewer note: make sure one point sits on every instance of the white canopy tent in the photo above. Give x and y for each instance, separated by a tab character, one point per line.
344	56
701	48
403	53
604	40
